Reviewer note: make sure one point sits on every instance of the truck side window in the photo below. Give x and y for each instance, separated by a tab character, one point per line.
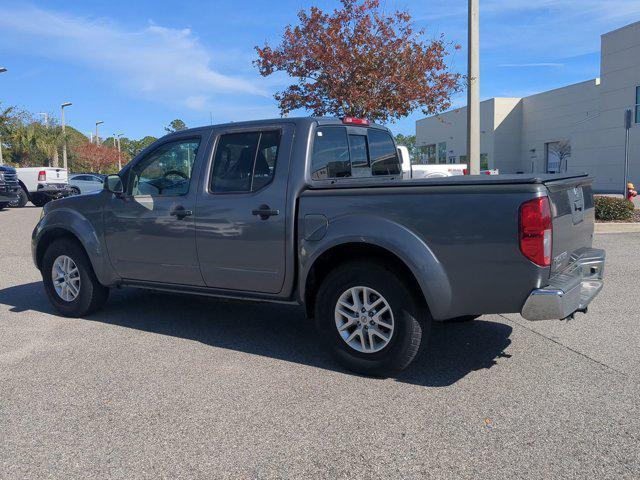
244	161
166	170
330	157
384	157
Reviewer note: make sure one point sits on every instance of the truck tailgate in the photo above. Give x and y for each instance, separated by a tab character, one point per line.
56	175
573	218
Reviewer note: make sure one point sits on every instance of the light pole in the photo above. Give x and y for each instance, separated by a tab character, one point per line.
46	118
473	90
117	138
64	138
2	70
97	137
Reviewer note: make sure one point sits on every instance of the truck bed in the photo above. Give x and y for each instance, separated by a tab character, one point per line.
459	180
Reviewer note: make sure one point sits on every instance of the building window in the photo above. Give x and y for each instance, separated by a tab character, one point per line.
428	154
442	152
484	161
637	104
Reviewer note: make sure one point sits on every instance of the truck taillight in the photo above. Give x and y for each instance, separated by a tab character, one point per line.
355	121
536	231
42	176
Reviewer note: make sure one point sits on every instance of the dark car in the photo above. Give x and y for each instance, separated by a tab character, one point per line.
9	186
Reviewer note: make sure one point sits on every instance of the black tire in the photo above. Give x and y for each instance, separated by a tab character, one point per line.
40	200
411	318
74	191
92	294
4	205
22	199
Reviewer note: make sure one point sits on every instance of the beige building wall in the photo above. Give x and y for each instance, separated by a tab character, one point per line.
590	115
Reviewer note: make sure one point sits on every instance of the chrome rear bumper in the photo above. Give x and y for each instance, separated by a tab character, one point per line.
569	291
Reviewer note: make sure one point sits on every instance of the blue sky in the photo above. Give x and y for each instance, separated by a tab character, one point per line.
137	65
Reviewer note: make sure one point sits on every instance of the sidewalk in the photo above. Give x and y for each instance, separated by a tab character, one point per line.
613	227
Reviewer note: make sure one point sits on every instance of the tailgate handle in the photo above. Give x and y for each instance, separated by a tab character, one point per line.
577	206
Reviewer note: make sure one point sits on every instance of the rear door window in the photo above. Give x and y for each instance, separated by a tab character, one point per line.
244	161
330	157
383	153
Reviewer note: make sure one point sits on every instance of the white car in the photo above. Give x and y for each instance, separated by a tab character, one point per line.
428	170
41	185
85	183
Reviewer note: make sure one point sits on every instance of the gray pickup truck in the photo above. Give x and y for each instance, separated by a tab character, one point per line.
314	211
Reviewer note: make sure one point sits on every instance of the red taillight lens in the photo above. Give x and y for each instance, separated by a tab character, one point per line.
465	171
42	176
355	121
536	231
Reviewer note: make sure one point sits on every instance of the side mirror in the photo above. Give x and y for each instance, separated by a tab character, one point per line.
113	184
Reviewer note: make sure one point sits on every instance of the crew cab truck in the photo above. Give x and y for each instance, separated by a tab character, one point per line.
41	185
314	211
8	185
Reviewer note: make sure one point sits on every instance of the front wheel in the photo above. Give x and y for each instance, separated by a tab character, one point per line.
370	318
4	205
69	280
22	199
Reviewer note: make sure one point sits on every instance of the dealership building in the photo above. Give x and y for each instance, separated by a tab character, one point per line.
577	128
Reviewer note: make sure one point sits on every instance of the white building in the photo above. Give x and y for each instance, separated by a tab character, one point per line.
576	128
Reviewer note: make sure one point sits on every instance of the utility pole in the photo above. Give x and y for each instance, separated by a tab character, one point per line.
2	70
473	89
117	137
97	136
64	138
628	120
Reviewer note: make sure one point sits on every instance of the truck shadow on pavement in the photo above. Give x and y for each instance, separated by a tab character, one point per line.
277	331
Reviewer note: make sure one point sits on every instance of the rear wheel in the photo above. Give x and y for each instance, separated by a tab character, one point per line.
69	280
4	205
22	199
39	200
370	318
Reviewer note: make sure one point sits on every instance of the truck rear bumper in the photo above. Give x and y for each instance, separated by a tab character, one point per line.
568	291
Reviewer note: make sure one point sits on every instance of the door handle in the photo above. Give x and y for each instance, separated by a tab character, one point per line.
265	212
180	212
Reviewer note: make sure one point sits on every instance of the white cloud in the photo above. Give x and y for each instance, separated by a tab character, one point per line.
155	62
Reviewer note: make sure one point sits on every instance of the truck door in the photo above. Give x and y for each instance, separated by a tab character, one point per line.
150	229
241	216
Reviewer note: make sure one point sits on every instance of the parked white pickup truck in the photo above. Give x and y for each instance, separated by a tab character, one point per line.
40	185
428	170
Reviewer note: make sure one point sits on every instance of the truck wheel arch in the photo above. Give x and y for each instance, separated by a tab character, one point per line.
49	237
24	188
350	251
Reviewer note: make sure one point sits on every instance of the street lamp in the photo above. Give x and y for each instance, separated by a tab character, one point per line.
46	118
2	70
64	138
97	137
117	136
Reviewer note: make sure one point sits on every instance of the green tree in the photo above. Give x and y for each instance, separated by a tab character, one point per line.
408	141
176	125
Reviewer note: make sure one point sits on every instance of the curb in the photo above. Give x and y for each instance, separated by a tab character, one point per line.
631	227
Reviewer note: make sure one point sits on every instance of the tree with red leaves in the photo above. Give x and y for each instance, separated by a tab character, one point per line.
90	157
358	61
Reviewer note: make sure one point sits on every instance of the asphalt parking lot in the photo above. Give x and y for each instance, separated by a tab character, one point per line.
163	386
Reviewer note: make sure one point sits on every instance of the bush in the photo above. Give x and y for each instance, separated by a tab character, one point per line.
613	208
